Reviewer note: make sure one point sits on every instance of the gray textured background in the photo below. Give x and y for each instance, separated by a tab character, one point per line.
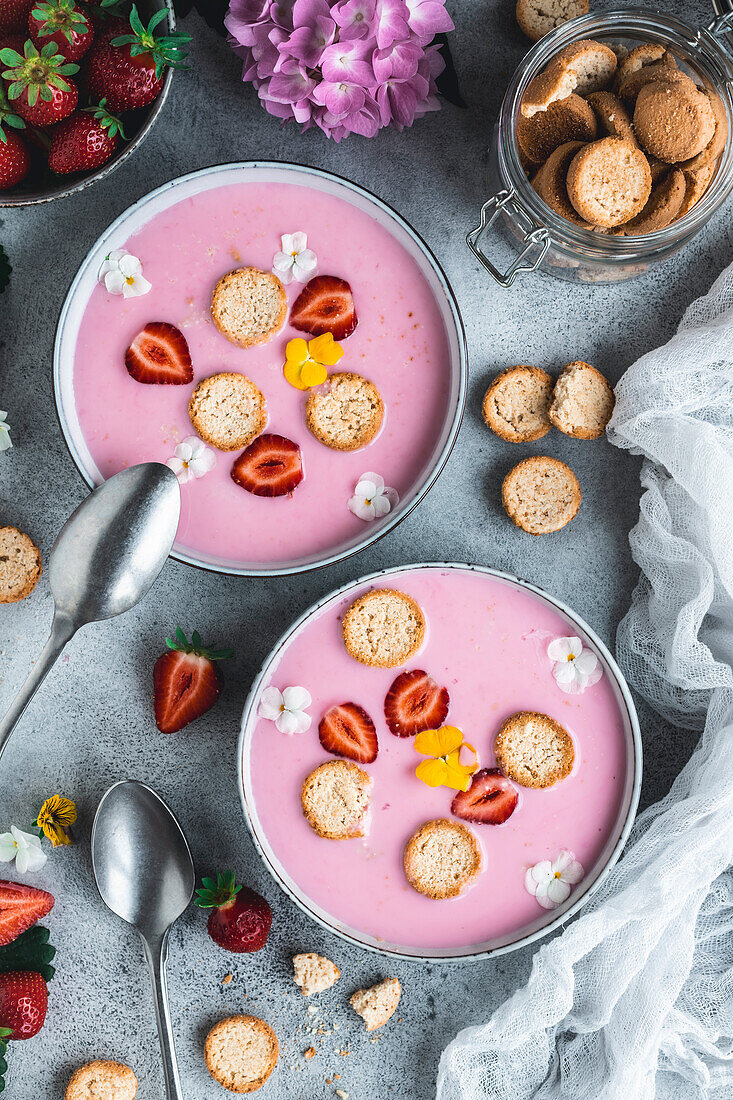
93	724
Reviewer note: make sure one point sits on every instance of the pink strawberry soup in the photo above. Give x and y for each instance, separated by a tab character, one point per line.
486	642
401	344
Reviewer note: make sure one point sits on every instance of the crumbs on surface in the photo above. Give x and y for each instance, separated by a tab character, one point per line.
226	979
309	1053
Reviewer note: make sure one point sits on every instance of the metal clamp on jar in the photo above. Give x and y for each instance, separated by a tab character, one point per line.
539	237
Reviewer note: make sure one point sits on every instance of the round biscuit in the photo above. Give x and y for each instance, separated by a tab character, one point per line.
249	306
441	858
345	413
241	1052
582	402
696	184
335	799
673	122
665	203
609	182
534	750
570	119
537	17
550	183
20	565
384	628
515	404
612	117
541	495
102	1080
228	411
717	143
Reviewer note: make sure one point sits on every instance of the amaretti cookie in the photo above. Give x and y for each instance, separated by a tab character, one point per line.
534	750
664	71
102	1080
673	122
663	205
20	565
249	306
515	404
383	628
335	799
570	119
716	145
646	54
345	413
550	182
441	858
377	1004
228	411
582	403
612	117
314	973
241	1052
609	182
541	495
582	67
537	18
696	184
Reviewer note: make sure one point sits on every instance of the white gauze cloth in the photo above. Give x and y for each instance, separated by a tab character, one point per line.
634	999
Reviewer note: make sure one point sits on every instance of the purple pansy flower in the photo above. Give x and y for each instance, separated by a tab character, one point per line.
345	66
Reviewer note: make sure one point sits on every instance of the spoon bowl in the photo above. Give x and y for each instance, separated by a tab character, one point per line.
144	873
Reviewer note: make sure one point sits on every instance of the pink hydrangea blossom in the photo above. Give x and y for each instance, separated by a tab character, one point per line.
345	66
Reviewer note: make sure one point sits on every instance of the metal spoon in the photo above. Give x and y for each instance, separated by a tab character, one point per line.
144	873
106	557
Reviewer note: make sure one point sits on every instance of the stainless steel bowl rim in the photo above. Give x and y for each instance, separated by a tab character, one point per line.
565	911
438	462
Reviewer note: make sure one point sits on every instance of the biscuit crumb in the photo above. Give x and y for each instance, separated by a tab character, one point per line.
342	1095
314	973
309	1053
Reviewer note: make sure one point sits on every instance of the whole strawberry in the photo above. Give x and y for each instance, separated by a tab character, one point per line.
128	68
38	88
240	919
63	22
185	681
15	161
84	140
23	1003
14	14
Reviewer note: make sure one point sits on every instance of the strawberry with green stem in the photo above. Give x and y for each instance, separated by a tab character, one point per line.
15	161
240	918
63	22
37	84
186	682
85	140
128	69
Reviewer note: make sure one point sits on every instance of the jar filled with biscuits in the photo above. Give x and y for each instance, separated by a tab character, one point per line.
612	150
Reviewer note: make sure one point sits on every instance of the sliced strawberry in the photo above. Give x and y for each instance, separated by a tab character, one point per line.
20	907
270	467
414	703
185	681
159	355
347	730
325	304
490	799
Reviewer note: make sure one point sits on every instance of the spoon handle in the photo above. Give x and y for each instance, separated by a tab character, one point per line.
61	631
157	955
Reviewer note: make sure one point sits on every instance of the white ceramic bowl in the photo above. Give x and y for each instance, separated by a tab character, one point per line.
547	921
224	175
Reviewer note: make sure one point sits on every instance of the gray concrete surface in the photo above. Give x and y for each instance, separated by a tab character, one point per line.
92	722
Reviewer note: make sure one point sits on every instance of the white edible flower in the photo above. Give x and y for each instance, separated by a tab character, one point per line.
372	499
191	458
574	667
550	882
5	441
24	848
122	273
296	260
287	709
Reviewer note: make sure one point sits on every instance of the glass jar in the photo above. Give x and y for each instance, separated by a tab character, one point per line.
540	239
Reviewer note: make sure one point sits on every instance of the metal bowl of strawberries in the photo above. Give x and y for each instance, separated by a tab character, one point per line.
81	85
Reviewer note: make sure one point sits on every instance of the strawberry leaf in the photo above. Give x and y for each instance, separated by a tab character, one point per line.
216	892
30	951
182	645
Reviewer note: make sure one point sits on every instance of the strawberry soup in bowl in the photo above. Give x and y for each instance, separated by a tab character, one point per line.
439	761
286	342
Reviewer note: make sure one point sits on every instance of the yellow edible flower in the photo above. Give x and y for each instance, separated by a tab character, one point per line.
446	768
306	362
55	817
